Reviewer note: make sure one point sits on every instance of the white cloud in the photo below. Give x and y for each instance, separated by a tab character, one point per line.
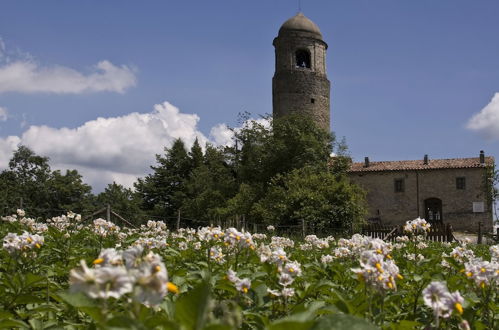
118	148
486	122
222	135
7	146
3	114
26	76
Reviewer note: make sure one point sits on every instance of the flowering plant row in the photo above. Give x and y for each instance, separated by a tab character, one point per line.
63	273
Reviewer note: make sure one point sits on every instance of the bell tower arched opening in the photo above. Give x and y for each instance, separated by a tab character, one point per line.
302	57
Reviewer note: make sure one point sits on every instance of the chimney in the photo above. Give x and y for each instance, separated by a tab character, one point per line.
366	161
482	157
425	161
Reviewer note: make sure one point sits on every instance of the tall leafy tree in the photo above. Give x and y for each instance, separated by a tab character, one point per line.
209	187
320	198
68	192
163	191
29	183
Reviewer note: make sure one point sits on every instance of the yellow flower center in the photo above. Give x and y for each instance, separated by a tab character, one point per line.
245	290
459	308
29	240
98	261
483	270
38	245
157	268
400	277
172	288
378	267
379	251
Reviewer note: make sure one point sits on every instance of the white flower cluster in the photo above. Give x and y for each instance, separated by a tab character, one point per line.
217	255
494	253
242	285
441	301
359	243
281	242
417	226
484	273
212	234
64	222
116	273
104	228
24	243
318	243
233	238
462	254
13	218
377	271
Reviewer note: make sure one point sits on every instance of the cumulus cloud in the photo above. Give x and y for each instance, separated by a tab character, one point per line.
116	149
222	135
3	114
26	76
107	149
486	122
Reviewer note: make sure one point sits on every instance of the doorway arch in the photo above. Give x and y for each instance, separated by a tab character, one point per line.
433	209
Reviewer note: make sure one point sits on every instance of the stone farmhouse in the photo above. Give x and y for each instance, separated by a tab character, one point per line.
451	191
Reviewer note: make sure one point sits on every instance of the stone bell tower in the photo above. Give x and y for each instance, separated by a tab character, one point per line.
300	83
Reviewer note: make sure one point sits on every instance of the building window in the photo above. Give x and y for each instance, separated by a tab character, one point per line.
303	58
312	100
399	185
461	183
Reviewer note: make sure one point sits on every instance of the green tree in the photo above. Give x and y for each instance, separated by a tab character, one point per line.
43	193
163	191
209	187
68	192
320	198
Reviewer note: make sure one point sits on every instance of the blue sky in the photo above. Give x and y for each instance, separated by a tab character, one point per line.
407	76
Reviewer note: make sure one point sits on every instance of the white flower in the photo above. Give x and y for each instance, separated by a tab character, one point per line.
292	268
112	282
278	256
270	228
325	259
232	276
243	285
435	296
21	212
275	293
109	257
288	292
285	279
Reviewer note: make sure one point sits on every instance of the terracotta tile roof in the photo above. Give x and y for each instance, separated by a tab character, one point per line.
406	165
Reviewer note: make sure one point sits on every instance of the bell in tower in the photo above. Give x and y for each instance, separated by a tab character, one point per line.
300	84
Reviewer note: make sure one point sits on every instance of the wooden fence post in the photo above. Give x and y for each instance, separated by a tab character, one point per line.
178	220
108	213
479	238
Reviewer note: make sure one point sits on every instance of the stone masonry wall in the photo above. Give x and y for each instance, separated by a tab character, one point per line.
395	208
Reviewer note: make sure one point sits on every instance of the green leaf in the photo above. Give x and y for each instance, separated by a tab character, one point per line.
291	325
77	299
28	299
342	321
405	325
192	307
10	324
